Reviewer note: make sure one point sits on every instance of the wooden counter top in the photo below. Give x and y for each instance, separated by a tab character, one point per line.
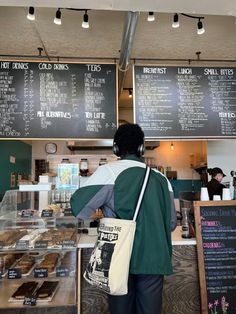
88	240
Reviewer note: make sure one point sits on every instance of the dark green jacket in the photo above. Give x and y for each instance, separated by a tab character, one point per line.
115	189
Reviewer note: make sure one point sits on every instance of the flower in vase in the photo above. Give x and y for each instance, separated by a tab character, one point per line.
224	305
210	307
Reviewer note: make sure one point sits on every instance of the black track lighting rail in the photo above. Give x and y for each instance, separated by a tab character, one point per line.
192	16
114	59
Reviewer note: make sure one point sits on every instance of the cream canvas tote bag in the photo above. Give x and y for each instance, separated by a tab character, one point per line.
108	267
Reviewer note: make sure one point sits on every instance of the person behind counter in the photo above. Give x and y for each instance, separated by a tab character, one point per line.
115	189
215	187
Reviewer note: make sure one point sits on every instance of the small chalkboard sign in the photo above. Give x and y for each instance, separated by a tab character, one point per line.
26	213
30	300
215	223
47	213
67	212
14	273
62	272
41	244
68	244
40	272
22	245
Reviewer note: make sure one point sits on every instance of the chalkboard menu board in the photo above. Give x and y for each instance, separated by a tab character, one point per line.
185	102
57	100
216	244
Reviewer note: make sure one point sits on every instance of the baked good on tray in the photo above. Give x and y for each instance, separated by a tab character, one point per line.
49	261
69	261
25	289
11	236
47	289
25	263
56	237
7	260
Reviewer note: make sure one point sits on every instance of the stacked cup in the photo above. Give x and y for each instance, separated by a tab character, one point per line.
226	195
204	194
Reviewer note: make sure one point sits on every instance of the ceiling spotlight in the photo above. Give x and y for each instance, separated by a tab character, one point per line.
57	19
175	23
151	17
30	15
200	28
85	23
130	93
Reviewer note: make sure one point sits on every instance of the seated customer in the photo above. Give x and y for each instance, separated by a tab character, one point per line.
215	187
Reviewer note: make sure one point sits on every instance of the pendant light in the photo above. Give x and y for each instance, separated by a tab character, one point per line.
30	15
200	28
57	19
151	17
175	23
85	23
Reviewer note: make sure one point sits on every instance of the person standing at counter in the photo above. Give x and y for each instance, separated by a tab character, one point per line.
115	188
215	187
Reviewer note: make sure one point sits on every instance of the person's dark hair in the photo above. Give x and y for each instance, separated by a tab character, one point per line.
214	171
128	138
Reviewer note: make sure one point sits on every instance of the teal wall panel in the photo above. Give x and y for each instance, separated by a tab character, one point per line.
23	156
185	186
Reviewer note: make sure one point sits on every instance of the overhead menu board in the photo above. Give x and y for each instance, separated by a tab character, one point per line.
185	102
216	245
57	100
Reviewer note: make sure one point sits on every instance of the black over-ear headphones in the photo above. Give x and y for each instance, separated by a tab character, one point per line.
140	150
115	149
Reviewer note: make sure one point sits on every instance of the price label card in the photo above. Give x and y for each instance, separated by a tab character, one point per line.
68	244
46	213
14	273
40	272
22	245
67	212
41	245
26	214
62	272
30	300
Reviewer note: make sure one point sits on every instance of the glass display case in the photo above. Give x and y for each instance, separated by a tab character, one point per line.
38	250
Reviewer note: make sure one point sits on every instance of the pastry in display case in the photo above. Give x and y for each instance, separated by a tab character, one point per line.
37	252
41	291
49	262
24	289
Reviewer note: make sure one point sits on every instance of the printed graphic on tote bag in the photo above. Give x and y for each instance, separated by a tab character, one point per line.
98	267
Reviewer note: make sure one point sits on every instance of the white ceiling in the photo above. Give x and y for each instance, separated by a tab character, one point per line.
215	7
155	40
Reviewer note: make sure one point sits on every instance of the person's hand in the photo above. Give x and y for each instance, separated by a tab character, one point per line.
97	215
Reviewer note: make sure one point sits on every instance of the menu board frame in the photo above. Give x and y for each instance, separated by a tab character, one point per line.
153	134
83	138
198	205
